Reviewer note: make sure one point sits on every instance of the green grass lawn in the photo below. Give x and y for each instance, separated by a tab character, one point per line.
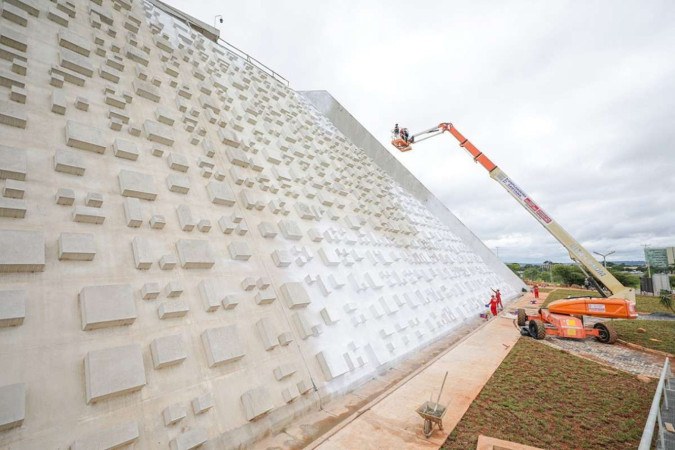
644	303
661	330
547	398
564	293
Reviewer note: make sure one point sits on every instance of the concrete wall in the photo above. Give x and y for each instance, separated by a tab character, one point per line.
188	251
359	135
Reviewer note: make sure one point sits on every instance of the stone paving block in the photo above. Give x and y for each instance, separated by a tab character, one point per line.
174	414
93	199
173	309
12	311
65	196
133	212
84	137
11	207
220	193
202	403
167	350
222	345
12	406
117	436
294	294
157	132
178	183
256	402
113	371
86	214
125	149
67	161
137	184
107	306
195	254
23	251
76	247
142	254
189	439
13	114
13	163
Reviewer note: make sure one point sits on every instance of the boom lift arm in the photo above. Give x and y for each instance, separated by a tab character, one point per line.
579	254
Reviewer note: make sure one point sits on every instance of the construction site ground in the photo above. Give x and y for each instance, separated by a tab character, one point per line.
380	414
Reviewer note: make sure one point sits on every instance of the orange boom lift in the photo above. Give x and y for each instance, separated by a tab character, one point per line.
563	318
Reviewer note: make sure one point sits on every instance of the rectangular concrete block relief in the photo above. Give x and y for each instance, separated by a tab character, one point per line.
84	137
86	214
294	295
256	402
66	161
195	254
136	184
220	194
12	308
173	414
12	406
239	250
107	306
13	163
332	364
188	440
116	436
113	371
76	247
167	351
172	309
222	345
23	251
202	404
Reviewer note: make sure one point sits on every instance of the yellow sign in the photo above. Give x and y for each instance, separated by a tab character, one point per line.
571	332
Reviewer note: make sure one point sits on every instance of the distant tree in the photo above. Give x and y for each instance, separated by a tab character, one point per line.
569	274
532	273
624	278
515	267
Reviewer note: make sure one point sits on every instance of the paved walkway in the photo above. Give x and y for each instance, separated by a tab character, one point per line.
392	421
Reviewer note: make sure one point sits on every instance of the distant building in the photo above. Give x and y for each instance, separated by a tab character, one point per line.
660	257
547	265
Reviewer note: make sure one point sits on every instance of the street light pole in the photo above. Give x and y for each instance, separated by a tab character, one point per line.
604	257
649	270
215	20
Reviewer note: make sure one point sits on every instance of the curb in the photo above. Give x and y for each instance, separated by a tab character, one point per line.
645	349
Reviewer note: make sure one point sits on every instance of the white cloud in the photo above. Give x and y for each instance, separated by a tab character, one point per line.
574	100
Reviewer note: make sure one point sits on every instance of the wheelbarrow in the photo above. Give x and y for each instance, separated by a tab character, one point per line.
433	412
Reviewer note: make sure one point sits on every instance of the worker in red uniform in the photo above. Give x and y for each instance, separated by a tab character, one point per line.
498	296
493	305
536	291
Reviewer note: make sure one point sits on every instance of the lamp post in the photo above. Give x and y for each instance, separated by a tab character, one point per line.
649	270
215	20
604	257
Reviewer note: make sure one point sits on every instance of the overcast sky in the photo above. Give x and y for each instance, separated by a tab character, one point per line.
574	100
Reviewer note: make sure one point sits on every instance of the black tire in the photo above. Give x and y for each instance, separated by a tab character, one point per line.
524	331
607	332
522	317
537	329
428	427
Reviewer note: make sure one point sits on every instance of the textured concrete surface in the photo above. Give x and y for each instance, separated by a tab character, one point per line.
139	163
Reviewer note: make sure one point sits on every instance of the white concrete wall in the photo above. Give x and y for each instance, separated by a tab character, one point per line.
191	344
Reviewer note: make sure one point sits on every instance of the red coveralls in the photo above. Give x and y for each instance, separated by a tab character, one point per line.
536	291
493	305
498	296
